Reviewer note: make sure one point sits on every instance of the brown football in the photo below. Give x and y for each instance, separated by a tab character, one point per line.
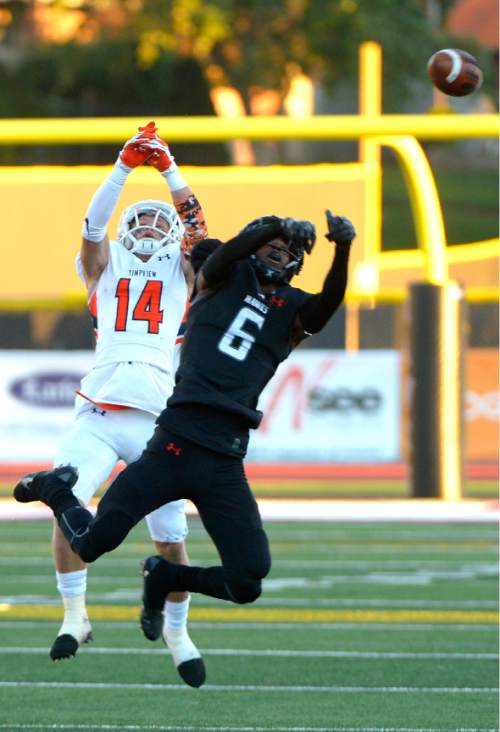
455	72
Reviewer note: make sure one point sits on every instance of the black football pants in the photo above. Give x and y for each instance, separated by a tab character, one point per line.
172	467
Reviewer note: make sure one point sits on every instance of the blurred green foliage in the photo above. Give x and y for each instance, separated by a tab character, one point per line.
152	57
101	79
469	200
245	43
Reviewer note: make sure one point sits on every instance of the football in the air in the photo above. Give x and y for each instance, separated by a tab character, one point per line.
455	72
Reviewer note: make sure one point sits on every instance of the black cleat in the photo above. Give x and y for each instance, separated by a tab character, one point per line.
40	486
22	491
66	646
193	672
153	597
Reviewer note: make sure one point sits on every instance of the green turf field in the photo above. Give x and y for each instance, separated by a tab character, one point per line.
363	627
336	489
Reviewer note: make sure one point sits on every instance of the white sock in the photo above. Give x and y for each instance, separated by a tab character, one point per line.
71	584
176	614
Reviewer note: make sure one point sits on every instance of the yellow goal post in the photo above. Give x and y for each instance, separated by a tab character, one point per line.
46	204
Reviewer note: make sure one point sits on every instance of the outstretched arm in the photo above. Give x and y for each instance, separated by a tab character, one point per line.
94	251
188	207
318	309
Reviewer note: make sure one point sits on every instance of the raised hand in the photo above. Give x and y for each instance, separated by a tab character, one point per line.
161	158
340	229
299	233
136	151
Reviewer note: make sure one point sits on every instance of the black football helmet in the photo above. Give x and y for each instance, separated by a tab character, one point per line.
299	237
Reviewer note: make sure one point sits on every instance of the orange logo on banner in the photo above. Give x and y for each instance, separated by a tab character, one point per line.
482	400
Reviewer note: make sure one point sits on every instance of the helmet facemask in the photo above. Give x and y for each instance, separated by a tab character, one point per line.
265	272
130	227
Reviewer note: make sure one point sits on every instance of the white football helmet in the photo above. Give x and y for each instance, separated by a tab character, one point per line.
130	228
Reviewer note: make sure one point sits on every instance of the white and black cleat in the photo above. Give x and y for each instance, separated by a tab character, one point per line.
35	486
70	638
186	656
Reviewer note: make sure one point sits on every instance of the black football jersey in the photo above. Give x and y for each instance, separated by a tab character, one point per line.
236	337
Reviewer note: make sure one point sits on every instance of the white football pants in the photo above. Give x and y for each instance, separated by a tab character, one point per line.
97	441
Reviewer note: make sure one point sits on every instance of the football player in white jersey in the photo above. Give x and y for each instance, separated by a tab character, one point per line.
138	288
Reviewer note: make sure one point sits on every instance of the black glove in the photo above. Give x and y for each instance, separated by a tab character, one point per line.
340	229
301	234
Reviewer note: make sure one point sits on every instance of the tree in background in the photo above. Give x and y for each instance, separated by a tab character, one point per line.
247	44
152	57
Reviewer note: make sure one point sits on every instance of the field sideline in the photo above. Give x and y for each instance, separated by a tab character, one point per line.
374	627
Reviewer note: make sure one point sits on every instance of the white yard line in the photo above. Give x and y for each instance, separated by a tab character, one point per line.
253	687
301	602
190	728
281	653
230	625
392	564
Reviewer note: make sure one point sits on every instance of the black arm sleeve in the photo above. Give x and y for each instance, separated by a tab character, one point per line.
219	264
318	309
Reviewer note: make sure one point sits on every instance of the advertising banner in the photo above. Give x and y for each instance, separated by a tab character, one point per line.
482	400
321	406
331	406
37	393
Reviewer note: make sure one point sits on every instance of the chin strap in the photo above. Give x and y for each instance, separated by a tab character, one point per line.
148	245
266	272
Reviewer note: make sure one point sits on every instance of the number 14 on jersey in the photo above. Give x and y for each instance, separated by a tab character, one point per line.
147	307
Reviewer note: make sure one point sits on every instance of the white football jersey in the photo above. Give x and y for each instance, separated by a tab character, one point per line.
137	308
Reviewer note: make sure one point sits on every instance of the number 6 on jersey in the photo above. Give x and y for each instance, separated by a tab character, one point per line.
237	342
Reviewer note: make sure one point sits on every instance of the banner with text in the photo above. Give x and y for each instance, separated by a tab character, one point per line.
321	406
331	406
37	394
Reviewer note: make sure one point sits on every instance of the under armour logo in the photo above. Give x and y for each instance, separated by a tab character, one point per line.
102	412
171	447
278	301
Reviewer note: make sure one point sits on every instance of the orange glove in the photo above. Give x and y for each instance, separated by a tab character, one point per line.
135	152
149	130
161	157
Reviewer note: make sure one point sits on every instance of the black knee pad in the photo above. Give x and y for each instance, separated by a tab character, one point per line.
105	534
249	566
244	591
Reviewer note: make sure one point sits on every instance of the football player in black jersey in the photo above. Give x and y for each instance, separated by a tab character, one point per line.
244	320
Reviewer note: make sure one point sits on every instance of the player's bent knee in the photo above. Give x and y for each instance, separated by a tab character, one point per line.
261	567
244	591
104	536
258	560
